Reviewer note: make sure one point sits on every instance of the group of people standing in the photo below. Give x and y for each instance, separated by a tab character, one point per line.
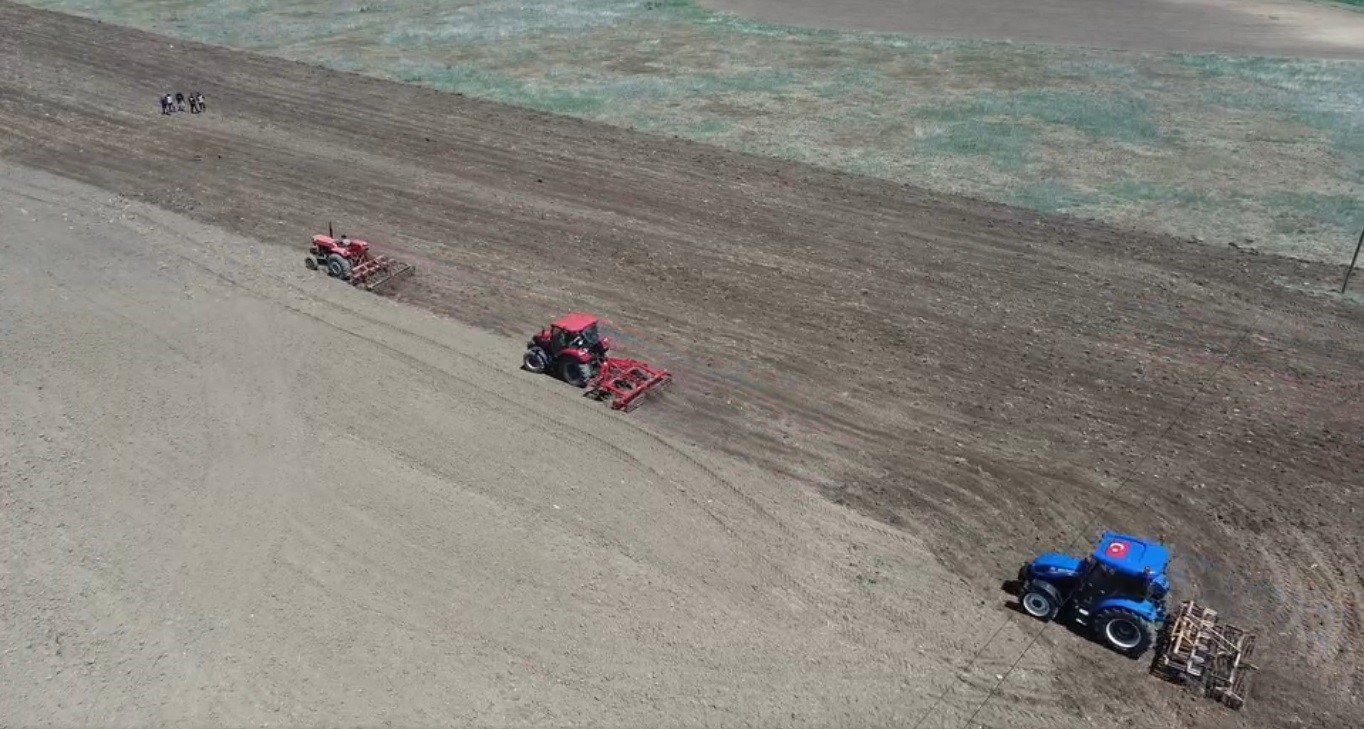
171	103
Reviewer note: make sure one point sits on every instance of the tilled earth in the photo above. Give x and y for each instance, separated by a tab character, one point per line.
236	494
990	381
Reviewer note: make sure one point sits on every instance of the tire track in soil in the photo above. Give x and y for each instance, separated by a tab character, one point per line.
243	283
301	530
812	599
776	574
539	416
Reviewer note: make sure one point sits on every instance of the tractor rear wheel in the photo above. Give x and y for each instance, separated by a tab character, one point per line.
575	373
535	360
1125	631
338	266
1040	600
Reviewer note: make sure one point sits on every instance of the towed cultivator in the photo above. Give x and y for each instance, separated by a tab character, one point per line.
625	382
351	260
1198	651
573	350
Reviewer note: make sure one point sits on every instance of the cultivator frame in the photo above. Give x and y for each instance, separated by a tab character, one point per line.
626	382
1198	651
377	270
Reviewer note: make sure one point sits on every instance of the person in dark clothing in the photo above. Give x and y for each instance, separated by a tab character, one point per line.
180	101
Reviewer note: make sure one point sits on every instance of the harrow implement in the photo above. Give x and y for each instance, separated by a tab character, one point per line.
1198	651
376	271
626	382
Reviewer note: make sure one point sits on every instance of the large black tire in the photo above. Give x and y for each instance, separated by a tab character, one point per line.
536	360
1125	632
574	373
338	267
1040	600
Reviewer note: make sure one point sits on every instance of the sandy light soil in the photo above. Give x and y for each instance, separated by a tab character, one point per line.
234	495
985	382
1297	28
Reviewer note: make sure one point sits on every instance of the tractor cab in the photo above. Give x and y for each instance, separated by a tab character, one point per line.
571	347
1118	590
574	332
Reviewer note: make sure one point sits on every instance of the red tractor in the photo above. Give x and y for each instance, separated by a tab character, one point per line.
350	259
574	350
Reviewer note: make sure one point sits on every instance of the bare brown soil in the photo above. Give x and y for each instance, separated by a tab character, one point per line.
1295	28
989	381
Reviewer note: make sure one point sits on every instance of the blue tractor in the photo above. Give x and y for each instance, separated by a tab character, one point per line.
1118	592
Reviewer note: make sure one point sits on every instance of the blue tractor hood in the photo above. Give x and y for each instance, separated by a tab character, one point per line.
1054	564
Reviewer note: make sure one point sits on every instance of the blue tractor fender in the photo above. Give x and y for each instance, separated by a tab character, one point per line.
1127	626
1144	609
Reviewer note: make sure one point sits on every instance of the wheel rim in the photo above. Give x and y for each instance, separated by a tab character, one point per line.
1123	633
1037	605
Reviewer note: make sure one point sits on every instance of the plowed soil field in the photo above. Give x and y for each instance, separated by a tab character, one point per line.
235	491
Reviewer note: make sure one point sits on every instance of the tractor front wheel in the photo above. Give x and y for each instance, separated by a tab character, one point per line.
1040	600
1125	632
535	360
338	267
311	263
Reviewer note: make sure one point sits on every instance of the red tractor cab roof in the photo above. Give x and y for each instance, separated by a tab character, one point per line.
575	322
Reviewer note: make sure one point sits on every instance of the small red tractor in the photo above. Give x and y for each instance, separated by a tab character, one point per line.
350	259
574	350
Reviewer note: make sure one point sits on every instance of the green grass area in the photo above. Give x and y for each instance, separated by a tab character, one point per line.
1222	148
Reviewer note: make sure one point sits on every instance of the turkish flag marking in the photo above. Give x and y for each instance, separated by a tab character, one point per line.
1117	550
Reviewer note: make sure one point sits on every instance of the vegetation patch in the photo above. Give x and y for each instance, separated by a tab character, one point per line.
1227	149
